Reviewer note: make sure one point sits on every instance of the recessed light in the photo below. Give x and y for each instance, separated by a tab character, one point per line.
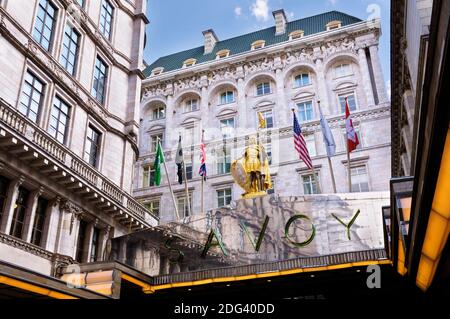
228	285
268	280
312	276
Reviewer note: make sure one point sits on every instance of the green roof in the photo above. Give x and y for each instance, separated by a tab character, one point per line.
240	44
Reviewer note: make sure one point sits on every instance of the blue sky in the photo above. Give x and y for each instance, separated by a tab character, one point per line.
177	25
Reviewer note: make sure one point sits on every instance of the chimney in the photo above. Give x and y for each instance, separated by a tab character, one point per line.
280	21
210	40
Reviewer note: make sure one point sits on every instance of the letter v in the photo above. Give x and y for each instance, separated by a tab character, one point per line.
250	236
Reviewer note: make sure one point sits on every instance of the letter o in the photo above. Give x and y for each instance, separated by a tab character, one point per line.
288	225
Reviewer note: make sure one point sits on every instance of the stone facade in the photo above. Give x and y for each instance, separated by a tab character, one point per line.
317	55
69	117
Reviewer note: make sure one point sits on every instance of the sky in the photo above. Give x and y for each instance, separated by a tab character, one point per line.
177	25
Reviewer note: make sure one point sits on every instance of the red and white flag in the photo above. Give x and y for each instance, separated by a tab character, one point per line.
352	137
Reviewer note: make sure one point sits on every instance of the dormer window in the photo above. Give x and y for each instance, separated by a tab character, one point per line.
334	25
297	34
222	54
189	62
157	71
258	44
191	105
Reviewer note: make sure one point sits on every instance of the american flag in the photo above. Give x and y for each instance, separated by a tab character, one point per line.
202	170
300	144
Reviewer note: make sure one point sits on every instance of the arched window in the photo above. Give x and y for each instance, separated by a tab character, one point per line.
191	105
302	79
227	97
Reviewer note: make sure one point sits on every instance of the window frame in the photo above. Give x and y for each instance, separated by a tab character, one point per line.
339	66
313	187
224	97
150	203
264	115
224	196
224	128
32	92
344	95
93	128
53	26
357	166
111	22
223	166
98	69
185	209
19	213
71	43
148	172
67	124
40	219
263	88
297	85
302	118
187	105
153	144
157	109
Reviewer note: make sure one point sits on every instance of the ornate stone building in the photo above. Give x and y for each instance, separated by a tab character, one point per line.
70	81
221	86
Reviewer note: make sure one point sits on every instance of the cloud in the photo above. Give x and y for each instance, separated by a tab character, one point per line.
238	11
332	2
290	15
260	9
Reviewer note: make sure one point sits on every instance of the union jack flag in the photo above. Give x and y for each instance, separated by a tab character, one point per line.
202	170
300	144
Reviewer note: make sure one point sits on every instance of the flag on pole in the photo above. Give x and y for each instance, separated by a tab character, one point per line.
328	138
262	121
352	137
202	170
159	160
300	144
179	160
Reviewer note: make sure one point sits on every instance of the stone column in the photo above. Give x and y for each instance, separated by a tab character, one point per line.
69	228
11	198
242	99
30	214
378	74
51	225
364	67
327	109
283	109
168	135
88	241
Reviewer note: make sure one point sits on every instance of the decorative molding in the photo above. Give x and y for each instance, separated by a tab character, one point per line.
25	246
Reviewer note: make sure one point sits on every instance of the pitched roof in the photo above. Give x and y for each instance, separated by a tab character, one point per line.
240	44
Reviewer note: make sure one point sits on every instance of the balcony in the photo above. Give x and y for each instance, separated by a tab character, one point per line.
24	139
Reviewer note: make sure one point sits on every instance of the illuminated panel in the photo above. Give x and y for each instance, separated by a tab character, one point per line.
438	224
33	288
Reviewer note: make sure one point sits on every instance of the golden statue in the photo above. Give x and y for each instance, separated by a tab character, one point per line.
251	171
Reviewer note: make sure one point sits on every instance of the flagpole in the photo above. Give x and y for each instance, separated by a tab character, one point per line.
203	178
170	185
348	155
330	165
186	186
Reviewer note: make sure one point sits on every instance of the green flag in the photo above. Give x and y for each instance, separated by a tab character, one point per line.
159	159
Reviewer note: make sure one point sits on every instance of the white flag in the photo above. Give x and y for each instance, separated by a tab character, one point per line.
328	139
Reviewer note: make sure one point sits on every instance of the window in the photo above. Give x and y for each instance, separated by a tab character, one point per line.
189	168
45	20
157	71
333	25
189	135
81	3
69	51
224	197
154	141
182	201
92	150
258	44
302	80
39	221
310	184
351	101
19	213
148	176
296	34
30	101
358	133
360	180
189	62
4	183
79	256
227	97
343	69
311	145
95	245
159	112
222	54
223	161
59	120
227	127
153	207
191	105
100	78
305	111
263	88
268	117
106	17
